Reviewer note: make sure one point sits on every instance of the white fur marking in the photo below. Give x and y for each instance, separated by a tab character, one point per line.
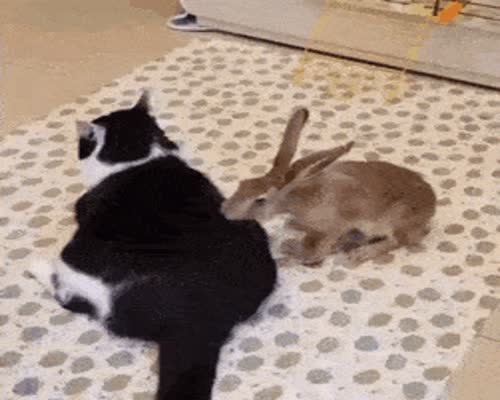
88	287
42	271
94	171
73	283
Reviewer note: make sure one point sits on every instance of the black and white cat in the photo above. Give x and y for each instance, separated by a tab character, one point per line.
153	257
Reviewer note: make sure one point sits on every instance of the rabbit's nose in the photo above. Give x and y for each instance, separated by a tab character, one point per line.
228	210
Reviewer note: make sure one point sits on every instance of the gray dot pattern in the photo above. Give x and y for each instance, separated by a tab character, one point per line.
393	329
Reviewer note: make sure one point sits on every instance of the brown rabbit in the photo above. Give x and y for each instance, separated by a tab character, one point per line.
362	209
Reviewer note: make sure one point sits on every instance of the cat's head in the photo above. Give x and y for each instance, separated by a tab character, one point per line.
119	140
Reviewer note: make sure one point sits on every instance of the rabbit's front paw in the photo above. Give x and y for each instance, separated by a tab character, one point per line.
313	262
291	247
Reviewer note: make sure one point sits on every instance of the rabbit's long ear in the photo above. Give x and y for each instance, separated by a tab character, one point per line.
290	141
335	154
317	162
304	162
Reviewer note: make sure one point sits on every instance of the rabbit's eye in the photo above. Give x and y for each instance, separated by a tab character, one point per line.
260	201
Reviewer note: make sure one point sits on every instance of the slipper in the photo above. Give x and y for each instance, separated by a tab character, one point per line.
186	22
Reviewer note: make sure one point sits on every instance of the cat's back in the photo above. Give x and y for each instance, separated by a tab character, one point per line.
163	219
148	200
224	252
164	178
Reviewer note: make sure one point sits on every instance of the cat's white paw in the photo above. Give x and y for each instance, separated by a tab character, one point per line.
42	270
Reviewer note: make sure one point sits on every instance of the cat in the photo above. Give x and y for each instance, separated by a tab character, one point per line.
153	257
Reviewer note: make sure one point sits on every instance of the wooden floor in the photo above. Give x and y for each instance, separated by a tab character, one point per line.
52	51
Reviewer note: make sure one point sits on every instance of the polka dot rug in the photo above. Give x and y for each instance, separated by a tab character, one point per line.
387	330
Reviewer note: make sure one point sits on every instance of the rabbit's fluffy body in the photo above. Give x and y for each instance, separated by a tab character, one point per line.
376	198
361	209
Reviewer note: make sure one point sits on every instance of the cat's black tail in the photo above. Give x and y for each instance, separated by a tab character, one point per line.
187	372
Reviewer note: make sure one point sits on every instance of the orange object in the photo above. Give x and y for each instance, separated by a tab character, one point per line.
449	14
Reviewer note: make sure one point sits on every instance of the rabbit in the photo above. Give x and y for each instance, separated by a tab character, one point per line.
357	209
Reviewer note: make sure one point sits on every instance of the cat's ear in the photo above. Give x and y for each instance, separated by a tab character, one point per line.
143	102
83	128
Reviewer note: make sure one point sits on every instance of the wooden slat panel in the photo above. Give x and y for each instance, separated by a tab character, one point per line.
490	3
386	38
482	11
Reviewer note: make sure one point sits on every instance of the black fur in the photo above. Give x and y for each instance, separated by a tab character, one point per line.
79	305
85	147
129	136
189	275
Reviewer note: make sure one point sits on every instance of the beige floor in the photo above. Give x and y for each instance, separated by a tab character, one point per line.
52	51
478	378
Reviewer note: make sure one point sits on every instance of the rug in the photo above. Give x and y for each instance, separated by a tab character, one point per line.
388	330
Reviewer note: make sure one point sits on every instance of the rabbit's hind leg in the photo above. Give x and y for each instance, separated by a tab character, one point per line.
411	235
354	238
380	246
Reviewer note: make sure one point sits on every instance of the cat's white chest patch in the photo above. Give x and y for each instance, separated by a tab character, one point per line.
74	283
94	171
